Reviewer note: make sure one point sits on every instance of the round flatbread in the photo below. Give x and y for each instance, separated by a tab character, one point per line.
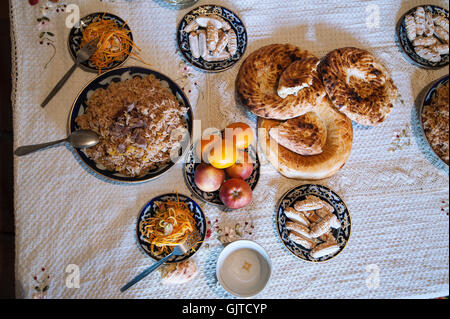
257	83
358	85
334	154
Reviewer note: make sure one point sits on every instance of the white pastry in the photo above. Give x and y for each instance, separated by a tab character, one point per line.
296	216
326	206
219	57
428	54
440	21
193	44
328	238
178	273
312	216
424	41
203	50
193	26
322	212
222	43
429	24
324	250
410	24
232	42
440	48
301	240
212	36
324	225
299	228
420	20
225	25
310	202
204	20
441	33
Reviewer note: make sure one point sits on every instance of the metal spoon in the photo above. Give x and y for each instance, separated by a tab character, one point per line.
78	139
178	250
83	55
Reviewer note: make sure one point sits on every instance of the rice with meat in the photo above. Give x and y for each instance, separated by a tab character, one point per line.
435	122
139	121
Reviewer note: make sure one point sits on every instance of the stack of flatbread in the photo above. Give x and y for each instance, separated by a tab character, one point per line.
305	105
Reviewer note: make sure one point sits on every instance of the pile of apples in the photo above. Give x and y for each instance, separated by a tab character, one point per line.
226	165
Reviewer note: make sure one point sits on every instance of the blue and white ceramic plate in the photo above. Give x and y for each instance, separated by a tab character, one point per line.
149	210
427	101
236	24
191	163
119	75
76	35
342	235
407	48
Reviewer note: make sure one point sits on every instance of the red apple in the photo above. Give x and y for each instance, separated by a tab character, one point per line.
235	193
208	178
243	168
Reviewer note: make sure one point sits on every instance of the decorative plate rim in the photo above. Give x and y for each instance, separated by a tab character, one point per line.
129	180
202	231
194	193
189	61
277	209
400	43
432	86
88	68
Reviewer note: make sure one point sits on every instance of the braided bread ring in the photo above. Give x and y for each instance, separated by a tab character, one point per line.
358	85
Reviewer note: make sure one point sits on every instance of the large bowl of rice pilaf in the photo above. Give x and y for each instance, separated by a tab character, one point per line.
144	121
435	118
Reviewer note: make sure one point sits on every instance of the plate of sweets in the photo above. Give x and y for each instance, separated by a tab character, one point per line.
313	222
211	38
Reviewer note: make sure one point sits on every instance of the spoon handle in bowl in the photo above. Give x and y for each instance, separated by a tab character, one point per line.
145	273
27	149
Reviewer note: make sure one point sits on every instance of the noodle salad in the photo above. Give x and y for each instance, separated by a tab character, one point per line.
114	42
169	226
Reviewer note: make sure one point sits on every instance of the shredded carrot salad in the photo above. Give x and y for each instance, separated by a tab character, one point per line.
170	225
114	42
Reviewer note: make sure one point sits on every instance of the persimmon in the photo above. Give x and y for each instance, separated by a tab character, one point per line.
204	145
222	154
241	133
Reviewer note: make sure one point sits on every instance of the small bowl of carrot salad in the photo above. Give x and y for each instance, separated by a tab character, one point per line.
115	41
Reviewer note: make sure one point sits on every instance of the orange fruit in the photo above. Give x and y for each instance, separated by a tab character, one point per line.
205	144
241	133
222	154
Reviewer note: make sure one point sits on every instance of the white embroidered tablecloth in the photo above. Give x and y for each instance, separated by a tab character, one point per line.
396	191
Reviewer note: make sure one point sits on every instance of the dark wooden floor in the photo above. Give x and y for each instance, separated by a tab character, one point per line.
6	160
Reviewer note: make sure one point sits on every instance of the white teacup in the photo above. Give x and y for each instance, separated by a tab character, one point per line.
243	268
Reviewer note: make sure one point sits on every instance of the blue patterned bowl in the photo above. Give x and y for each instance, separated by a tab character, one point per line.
148	211
236	24
427	101
191	163
407	48
102	81
342	235
76	35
